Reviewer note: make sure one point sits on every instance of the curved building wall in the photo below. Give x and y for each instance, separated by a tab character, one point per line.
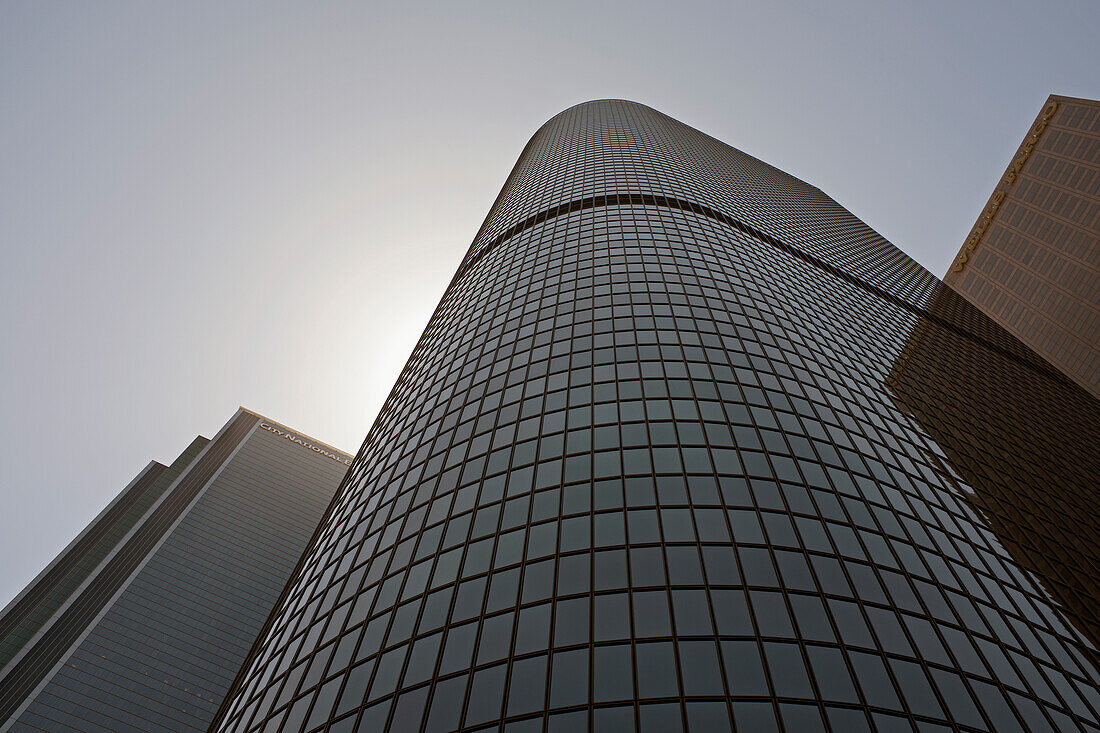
672	453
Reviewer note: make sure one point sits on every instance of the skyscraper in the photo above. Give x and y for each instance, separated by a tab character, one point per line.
1032	260
686	445
141	623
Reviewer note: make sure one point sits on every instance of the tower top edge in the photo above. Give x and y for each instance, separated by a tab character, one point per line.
598	102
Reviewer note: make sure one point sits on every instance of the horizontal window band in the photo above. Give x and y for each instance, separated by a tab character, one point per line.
668	202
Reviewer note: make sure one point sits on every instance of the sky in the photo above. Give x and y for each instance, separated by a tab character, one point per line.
212	204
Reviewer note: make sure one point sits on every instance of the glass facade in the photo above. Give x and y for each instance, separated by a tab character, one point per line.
41	600
686	446
141	624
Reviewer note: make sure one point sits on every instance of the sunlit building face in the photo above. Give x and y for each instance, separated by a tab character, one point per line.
1032	260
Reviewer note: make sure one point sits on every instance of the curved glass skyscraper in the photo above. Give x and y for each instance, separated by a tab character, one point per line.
686	445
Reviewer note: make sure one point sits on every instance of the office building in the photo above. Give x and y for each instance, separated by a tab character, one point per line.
142	621
687	446
1032	259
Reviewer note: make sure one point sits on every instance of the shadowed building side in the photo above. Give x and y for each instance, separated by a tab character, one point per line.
1045	511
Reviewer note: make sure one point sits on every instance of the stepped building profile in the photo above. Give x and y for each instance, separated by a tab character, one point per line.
687	446
141	623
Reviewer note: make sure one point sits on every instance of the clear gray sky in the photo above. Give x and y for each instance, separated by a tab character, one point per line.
213	204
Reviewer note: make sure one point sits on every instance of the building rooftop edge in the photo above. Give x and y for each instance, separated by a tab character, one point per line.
1004	183
297	432
676	119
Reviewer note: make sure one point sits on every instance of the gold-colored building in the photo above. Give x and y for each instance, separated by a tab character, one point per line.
1032	259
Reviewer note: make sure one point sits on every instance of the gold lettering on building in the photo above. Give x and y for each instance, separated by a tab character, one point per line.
1013	173
1029	144
979	229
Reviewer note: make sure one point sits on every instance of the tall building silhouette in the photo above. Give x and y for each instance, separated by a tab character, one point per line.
1032	259
142	621
675	452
